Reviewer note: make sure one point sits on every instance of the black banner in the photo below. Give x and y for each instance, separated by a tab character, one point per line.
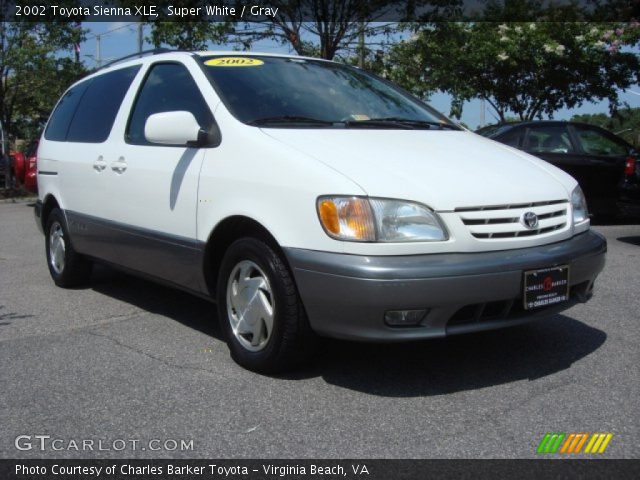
316	469
309	10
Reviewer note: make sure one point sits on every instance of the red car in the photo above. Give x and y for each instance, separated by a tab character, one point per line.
31	174
18	166
24	167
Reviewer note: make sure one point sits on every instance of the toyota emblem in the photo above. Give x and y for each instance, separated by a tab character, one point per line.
529	220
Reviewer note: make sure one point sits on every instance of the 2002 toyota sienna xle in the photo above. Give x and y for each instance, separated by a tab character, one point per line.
307	198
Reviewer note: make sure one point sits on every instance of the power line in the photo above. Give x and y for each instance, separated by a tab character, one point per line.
98	37
126	25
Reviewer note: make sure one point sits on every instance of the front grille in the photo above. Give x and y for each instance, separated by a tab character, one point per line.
503	221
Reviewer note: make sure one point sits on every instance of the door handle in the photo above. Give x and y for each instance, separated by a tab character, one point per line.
119	166
99	165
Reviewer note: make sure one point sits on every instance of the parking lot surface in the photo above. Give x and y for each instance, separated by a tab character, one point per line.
126	359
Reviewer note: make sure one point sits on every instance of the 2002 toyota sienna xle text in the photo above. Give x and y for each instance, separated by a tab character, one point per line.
307	198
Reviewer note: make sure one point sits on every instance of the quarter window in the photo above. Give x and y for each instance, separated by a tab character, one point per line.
61	117
99	106
168	87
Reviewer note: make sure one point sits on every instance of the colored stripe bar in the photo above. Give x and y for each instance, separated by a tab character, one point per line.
595	442
592	440
567	443
543	443
605	443
574	444
581	443
552	447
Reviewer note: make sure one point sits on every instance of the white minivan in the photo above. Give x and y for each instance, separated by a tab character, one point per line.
306	198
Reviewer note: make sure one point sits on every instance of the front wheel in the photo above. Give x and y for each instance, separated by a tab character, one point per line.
260	310
67	267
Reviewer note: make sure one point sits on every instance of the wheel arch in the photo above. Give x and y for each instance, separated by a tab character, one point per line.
223	235
48	204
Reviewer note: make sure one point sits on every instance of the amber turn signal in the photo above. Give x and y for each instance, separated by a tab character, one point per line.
347	218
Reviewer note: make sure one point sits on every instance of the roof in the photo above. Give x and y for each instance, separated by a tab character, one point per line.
135	57
167	54
498	129
508	125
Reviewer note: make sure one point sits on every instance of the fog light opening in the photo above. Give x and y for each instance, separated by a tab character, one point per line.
404	318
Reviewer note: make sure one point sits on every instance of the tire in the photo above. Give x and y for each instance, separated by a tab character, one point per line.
252	277
67	267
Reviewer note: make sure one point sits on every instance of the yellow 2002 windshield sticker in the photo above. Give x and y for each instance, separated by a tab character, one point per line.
234	62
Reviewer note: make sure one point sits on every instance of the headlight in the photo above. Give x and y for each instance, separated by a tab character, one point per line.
360	219
579	204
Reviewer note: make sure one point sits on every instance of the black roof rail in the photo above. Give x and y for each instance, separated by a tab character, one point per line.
144	53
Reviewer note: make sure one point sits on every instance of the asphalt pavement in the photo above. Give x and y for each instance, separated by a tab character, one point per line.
126	361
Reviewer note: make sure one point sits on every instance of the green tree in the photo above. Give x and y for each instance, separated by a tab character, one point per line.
33	72
523	68
320	28
189	35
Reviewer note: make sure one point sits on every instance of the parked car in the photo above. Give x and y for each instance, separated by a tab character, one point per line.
24	169
18	166
306	198
605	165
31	167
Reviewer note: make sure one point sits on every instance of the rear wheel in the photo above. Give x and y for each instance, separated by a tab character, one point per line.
67	267
260	310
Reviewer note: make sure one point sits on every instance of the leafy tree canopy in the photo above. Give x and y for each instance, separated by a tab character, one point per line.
524	68
33	73
320	28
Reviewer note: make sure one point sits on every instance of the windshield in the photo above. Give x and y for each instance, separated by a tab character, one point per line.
278	91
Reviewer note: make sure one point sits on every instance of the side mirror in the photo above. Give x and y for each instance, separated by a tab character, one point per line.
178	128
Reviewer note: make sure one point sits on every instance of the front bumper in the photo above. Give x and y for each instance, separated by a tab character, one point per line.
346	296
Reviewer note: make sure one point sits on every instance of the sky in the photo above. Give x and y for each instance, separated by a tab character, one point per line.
118	39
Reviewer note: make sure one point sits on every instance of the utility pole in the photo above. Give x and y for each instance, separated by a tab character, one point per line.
361	46
482	110
98	54
140	36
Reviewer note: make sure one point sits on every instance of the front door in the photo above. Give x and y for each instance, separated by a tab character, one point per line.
155	187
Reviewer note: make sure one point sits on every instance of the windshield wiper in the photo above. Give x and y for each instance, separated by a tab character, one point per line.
396	122
406	123
289	119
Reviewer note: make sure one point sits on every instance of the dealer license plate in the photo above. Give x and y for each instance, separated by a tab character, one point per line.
547	286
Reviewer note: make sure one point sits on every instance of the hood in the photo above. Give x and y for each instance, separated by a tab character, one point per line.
441	169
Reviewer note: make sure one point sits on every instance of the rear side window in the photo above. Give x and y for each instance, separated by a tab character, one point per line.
594	142
168	87
61	117
99	106
549	139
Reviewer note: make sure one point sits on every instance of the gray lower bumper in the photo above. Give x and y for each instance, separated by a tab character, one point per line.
346	296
